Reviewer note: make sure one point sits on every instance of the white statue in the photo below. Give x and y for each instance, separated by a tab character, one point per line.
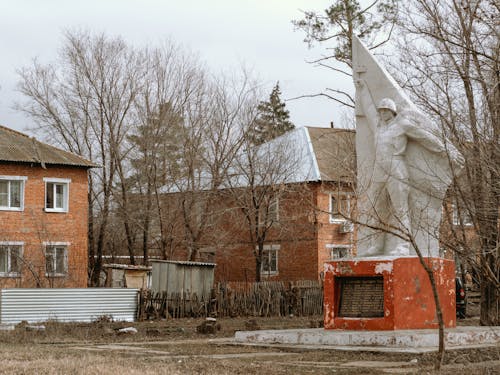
403	166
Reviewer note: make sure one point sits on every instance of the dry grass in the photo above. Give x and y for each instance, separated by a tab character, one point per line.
174	347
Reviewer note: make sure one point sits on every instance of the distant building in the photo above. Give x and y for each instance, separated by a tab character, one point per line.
311	223
310	215
43	214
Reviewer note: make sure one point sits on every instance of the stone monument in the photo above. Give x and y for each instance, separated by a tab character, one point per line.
404	169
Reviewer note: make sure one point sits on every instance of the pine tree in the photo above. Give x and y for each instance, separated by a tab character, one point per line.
273	119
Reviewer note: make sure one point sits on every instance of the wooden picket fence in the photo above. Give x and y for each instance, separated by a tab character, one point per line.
231	299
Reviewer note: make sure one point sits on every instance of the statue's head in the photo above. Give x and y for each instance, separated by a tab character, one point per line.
387	109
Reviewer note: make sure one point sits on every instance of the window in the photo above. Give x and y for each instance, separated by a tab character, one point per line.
56	259
269	264
12	193
339	251
461	215
10	259
56	194
340	207
269	214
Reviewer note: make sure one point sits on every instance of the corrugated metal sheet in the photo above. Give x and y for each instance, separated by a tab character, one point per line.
185	262
18	147
183	277
67	305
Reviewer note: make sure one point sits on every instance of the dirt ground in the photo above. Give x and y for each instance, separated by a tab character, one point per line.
175	347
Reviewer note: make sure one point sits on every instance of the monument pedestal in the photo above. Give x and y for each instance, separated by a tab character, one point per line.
387	293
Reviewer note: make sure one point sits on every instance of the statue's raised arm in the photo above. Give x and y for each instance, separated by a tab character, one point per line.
403	169
365	107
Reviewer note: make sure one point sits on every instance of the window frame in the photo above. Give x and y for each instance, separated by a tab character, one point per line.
65	182
274	209
270	249
9	272
338	247
9	179
348	198
56	245
269	214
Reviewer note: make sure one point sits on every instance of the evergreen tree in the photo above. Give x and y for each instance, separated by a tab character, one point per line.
273	119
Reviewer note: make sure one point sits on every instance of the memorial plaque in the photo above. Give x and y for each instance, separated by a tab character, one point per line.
361	297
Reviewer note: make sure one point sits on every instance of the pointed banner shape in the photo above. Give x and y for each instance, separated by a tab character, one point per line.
428	167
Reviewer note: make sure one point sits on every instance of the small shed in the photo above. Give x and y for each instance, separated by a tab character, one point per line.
182	277
126	276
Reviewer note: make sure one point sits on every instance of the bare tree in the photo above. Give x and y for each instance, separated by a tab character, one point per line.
174	80
208	141
452	53
83	102
259	179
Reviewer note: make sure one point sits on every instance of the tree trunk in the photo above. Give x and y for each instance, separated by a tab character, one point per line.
96	272
258	261
145	240
91	244
258	265
490	304
439	313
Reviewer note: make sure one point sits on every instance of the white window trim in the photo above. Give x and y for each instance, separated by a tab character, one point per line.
349	196
265	217
65	181
275	248
276	201
15	178
57	243
332	246
12	243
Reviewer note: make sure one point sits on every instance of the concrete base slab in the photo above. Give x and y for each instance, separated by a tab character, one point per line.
418	340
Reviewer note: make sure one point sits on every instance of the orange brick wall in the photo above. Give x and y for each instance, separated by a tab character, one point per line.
303	232
329	233
34	226
297	260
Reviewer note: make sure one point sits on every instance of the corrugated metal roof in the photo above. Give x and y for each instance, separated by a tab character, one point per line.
18	147
184	262
319	154
127	266
309	154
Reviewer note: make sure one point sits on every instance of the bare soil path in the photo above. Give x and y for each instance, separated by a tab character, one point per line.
174	347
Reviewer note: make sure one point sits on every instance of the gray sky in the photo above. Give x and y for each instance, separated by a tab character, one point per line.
225	34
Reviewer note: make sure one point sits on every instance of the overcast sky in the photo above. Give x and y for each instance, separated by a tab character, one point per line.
225	33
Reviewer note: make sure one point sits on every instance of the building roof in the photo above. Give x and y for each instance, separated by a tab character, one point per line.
18	147
308	154
334	151
319	154
183	262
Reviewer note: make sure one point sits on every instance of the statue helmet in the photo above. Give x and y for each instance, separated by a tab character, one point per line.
387	103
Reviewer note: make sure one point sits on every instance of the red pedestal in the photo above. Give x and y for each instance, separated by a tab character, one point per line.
408	301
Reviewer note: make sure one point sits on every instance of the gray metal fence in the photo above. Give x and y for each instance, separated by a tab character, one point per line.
181	277
67	305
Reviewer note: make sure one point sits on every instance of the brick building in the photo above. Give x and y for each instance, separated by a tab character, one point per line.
310	223
43	214
310	214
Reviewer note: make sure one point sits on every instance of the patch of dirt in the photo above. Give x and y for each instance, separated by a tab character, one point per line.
177	346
